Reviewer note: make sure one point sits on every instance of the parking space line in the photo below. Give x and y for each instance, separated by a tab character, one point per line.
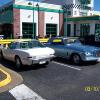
22	92
67	66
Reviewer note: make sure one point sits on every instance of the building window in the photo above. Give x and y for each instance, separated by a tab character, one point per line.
75	12
83	14
68	29
74	29
27	30
68	13
97	28
84	29
51	30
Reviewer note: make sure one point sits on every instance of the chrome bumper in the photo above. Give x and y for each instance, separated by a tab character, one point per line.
38	61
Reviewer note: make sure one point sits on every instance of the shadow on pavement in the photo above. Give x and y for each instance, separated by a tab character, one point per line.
11	65
65	61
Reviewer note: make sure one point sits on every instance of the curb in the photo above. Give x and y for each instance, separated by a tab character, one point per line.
5	81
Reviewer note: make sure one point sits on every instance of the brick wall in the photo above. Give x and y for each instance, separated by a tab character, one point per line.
61	24
16	22
41	23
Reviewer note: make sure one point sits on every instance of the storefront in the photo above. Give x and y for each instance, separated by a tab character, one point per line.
27	19
83	26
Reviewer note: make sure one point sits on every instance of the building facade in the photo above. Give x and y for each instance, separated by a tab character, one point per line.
28	19
79	17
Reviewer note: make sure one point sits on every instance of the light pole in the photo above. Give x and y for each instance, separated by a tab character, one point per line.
37	5
33	35
65	19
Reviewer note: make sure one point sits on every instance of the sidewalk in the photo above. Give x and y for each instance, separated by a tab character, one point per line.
9	79
2	76
5	78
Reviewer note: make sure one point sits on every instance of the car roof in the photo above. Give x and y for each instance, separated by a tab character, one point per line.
64	37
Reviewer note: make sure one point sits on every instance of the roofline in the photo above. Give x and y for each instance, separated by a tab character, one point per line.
7	4
82	18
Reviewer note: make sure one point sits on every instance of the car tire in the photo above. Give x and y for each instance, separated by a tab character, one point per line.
18	62
76	59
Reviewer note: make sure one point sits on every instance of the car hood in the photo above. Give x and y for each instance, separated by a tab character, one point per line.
38	51
80	47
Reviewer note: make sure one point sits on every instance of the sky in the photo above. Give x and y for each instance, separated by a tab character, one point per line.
96	4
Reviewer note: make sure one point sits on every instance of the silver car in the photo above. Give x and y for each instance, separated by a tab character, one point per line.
27	53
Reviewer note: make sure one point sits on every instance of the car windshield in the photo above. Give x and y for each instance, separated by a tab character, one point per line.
25	45
33	44
69	41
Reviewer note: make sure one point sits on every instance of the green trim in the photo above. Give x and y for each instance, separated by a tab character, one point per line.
82	18
36	8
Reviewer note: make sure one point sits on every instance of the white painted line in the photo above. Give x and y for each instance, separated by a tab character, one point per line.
22	92
67	66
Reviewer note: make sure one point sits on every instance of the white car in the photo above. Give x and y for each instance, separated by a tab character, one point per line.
27	53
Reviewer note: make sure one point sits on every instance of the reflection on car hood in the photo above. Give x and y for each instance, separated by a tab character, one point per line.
80	47
38	51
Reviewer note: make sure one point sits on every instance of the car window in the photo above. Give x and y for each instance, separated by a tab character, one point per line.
12	46
36	44
69	41
24	45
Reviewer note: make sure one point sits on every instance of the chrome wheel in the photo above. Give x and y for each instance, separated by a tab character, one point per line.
18	62
76	59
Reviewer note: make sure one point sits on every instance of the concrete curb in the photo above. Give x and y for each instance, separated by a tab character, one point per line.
5	81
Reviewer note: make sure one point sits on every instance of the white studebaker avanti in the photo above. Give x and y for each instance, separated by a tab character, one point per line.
27	53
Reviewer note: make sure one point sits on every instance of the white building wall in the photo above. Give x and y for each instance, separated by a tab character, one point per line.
52	18
27	16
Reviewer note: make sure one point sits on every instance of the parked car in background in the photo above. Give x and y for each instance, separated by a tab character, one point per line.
93	40
27	53
73	49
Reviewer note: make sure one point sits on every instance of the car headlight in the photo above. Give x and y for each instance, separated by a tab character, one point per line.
88	53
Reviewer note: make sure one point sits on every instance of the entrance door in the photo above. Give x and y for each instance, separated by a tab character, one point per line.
27	30
68	29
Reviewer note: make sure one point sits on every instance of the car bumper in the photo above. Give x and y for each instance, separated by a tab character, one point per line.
37	61
91	59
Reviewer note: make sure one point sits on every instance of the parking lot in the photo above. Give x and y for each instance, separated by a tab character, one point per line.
60	80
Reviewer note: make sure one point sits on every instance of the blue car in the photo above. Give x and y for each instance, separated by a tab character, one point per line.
73	49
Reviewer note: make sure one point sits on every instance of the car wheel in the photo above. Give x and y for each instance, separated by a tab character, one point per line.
18	62
76	59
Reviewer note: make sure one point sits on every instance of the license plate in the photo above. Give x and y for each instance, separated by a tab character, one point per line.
42	62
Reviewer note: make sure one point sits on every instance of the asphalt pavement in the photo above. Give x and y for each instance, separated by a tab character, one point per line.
2	76
60	80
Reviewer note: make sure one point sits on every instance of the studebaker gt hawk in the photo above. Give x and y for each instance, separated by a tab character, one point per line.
73	49
27	53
